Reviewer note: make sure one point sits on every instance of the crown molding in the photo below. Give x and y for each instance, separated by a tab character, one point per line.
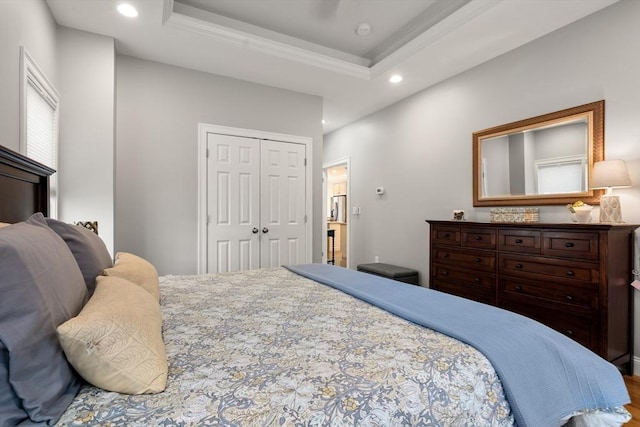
267	46
449	24
187	18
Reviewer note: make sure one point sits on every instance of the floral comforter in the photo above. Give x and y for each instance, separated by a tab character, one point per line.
269	347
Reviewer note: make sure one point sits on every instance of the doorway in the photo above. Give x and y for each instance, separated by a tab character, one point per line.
336	208
254	199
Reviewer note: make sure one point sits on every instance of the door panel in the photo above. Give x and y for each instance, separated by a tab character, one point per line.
283	203
293	247
222	255
245	256
233	177
254	185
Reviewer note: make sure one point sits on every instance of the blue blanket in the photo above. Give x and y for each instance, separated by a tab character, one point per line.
545	375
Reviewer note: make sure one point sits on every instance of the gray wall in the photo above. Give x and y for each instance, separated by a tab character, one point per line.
420	148
516	164
561	141
496	154
158	111
25	23
150	145
87	93
81	67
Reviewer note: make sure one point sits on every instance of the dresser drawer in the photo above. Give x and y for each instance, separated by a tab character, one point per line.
584	296
465	291
525	241
465	258
476	279
446	235
580	245
547	268
481	238
582	329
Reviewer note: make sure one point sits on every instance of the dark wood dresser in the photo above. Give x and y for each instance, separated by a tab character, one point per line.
572	277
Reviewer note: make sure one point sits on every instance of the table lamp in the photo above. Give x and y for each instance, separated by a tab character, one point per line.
610	174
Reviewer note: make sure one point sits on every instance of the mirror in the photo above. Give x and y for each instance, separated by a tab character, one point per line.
544	160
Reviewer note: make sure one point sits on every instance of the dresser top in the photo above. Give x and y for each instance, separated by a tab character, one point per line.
547	225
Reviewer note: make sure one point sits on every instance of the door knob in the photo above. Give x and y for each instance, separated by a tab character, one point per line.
265	230
255	230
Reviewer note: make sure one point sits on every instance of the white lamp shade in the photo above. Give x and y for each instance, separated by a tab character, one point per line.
609	174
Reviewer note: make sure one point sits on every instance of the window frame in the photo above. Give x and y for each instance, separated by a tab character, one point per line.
31	74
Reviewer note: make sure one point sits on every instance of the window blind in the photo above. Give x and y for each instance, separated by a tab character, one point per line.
41	124
560	178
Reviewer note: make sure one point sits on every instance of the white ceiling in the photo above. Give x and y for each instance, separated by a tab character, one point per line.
311	46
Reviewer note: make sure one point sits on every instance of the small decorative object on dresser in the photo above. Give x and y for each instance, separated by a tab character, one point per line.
571	277
458	215
580	212
515	215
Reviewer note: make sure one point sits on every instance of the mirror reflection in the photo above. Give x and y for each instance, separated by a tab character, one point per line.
541	160
546	160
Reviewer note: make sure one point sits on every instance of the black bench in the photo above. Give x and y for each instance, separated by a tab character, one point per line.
389	271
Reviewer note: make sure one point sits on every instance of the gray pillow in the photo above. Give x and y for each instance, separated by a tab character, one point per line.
87	248
41	287
11	412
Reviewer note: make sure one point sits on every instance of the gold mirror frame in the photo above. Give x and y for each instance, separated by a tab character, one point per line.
594	112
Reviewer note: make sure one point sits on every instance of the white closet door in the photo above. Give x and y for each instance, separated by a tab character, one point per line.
282	204
233	203
255	203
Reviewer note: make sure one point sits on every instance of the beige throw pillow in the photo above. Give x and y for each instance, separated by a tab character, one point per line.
137	270
115	343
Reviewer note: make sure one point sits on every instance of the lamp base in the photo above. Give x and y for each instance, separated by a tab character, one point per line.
610	211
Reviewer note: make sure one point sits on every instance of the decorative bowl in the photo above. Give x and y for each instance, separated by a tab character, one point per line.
581	214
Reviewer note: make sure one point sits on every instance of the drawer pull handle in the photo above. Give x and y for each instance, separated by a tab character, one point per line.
445	255
570	273
477	260
477	280
445	235
478	237
519	265
518	288
518	240
569	245
569	298
569	332
445	273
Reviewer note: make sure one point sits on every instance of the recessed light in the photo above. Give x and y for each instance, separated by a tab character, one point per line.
396	78
127	10
324	121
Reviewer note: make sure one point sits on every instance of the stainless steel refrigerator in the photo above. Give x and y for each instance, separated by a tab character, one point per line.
339	208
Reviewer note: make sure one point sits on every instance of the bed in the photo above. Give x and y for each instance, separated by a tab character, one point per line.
308	345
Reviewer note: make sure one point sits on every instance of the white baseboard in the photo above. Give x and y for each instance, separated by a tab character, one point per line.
636	365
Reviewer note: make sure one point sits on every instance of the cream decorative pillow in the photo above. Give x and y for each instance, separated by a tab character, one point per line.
137	270
115	343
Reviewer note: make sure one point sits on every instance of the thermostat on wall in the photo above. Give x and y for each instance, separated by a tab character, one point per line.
380	191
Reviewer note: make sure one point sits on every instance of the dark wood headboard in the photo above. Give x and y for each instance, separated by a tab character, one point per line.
24	186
